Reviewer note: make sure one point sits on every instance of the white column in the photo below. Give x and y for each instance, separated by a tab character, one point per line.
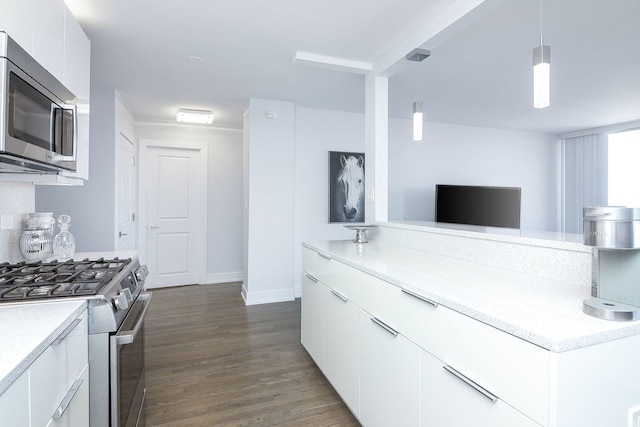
376	147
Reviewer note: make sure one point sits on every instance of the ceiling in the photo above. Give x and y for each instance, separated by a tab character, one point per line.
217	54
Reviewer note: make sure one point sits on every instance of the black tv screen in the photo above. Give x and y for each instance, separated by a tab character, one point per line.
478	205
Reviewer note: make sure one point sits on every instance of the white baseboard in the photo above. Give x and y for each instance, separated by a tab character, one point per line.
233	276
266	297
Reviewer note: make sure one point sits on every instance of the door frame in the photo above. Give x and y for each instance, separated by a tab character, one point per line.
201	194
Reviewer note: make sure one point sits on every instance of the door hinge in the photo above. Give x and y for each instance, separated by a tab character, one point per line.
133	216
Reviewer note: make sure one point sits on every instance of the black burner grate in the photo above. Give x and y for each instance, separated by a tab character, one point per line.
55	279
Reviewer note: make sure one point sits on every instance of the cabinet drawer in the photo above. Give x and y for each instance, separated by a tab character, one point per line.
360	288
14	403
74	409
315	264
516	371
471	405
55	371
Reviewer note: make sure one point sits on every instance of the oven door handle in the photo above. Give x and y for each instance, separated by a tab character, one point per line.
128	336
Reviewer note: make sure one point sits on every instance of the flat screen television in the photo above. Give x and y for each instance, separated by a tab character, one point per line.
478	205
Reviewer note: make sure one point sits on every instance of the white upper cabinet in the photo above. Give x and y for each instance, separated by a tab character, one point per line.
16	20
77	59
48	35
48	31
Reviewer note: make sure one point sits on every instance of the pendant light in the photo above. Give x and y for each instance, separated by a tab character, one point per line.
417	55
541	71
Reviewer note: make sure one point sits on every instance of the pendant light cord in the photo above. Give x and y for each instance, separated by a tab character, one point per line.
417	81
541	43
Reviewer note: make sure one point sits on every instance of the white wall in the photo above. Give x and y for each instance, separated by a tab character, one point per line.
16	200
454	154
317	132
269	202
224	193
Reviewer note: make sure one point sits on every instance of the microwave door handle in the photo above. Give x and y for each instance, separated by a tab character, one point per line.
71	112
61	113
56	125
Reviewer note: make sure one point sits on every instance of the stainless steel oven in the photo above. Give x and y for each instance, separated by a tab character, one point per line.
127	369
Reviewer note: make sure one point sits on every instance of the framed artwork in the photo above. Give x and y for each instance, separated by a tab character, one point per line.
346	187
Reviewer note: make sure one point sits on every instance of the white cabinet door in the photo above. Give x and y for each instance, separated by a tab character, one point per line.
448	400
342	348
16	19
14	403
74	412
313	314
77	59
53	374
389	376
48	35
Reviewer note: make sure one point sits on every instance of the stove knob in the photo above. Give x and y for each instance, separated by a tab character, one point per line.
121	302
142	273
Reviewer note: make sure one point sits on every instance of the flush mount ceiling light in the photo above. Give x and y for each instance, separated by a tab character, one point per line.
541	72
417	55
194	116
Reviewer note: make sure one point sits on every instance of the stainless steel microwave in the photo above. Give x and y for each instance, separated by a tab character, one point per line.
38	115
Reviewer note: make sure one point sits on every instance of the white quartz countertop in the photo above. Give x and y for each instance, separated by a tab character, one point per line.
27	329
544	312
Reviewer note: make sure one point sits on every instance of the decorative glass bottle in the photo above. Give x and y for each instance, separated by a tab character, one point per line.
64	244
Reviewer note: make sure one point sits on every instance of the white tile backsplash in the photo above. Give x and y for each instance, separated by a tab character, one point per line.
16	199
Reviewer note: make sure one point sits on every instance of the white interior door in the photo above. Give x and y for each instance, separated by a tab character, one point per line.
126	239
175	214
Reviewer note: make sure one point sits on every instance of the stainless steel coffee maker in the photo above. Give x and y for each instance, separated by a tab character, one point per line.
614	233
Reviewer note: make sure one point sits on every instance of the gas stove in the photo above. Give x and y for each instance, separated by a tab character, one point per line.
116	306
110	286
86	278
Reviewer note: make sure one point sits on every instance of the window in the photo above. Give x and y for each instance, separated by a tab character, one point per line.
623	168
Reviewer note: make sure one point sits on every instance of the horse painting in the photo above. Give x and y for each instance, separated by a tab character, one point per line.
347	187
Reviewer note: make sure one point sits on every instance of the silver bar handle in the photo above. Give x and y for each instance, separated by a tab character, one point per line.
130	335
67	399
384	326
421	298
313	279
325	256
597	214
63	336
472	384
339	295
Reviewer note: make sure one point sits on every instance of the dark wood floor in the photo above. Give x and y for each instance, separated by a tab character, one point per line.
212	361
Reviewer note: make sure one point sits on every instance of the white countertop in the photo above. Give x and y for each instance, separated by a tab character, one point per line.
544	312
27	329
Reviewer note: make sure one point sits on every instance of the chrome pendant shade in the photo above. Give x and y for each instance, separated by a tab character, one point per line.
541	72
417	55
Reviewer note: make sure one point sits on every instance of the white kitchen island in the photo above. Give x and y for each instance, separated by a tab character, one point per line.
410	334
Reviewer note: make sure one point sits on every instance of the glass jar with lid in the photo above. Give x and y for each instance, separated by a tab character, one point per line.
36	240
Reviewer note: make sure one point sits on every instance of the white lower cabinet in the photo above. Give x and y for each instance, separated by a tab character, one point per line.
54	391
14	403
389	376
56	376
342	347
450	399
74	412
313	318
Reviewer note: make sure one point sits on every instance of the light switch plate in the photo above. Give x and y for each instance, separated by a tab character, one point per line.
6	222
